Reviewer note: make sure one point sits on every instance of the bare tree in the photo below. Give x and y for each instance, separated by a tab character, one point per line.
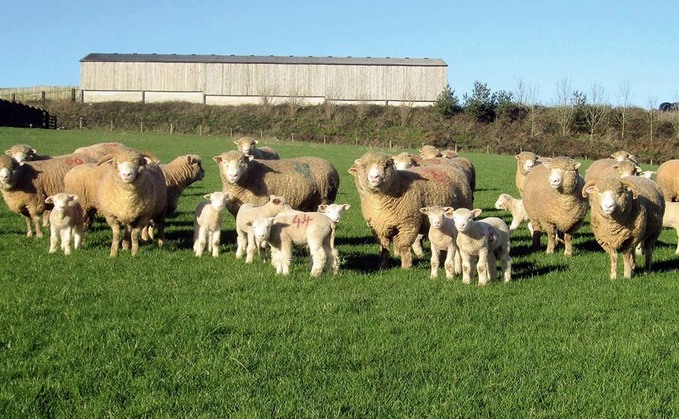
650	115
624	93
532	97
563	108
596	114
521	92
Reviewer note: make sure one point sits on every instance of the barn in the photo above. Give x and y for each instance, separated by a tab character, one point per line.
236	80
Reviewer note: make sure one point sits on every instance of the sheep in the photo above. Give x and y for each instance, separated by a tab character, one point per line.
24	152
391	199
306	182
648	174
83	181
100	150
625	156
26	185
334	212
603	167
129	194
524	163
553	201
248	145
282	232
248	212
671	219
668	180
207	223
515	207
406	160
429	151
487	239
66	222
442	236
626	212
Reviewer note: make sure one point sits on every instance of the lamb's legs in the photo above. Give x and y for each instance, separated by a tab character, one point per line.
434	261
466	268
54	239
66	240
215	240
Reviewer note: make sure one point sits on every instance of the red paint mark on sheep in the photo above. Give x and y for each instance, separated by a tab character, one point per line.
298	221
435	175
74	161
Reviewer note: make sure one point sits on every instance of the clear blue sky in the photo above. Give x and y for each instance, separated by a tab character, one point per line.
542	43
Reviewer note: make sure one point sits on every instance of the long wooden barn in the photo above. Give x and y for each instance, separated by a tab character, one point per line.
235	80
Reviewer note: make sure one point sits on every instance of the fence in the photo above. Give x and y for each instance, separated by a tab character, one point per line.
40	93
13	114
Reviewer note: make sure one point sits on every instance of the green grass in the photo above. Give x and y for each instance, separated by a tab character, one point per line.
168	334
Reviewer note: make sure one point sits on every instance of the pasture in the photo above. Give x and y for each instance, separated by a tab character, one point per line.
168	334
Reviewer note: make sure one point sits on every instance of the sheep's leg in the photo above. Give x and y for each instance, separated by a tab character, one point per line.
435	255
466	268
384	255
66	240
161	232
551	240
199	243
449	263
417	246
251	247
54	239
216	239
29	226
242	240
147	233
134	236
648	255
36	223
628	262
46	218
614	263
530	227
318	257
482	266
77	237
537	234
115	241
126	238
568	244
676	252
516	221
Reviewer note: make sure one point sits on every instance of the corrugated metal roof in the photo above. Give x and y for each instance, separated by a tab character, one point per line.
254	59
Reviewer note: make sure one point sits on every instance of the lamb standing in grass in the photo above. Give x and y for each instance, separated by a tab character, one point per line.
626	212
487	239
283	232
248	212
207	223
443	236
515	207
306	182
671	219
66	222
248	145
552	198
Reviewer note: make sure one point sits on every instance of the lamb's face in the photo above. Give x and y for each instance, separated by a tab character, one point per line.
333	211
435	215
9	172
502	202
463	219
218	200
261	228
61	201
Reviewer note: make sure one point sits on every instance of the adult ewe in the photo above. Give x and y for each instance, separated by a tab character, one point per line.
25	186
128	195
305	182
24	152
391	199
406	160
524	163
668	180
671	219
100	150
625	212
552	198
599	169
248	145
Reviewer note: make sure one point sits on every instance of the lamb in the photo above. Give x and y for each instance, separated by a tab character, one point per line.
248	212
626	212
207	223
524	163
604	167
248	145
306	182
515	207
66	222
648	174
671	219
25	186
129	194
553	201
443	236
668	180
391	199
487	239
282	232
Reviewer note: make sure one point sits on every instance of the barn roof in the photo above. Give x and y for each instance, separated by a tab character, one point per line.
254	59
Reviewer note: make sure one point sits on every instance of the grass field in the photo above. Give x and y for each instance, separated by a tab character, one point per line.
167	334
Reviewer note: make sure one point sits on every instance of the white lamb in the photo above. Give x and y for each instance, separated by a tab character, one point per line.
671	218
487	239
443	236
66	222
515	207
246	238
207	223
284	231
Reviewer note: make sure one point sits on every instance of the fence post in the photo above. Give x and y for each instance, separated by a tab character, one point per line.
141	126
72	95
13	97
80	123
171	128
111	125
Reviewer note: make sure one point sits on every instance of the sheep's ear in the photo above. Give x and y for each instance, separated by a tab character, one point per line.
8	152
145	160
448	211
424	210
516	156
322	208
33	151
49	200
73	197
206	196
346	206
476	212
353	171
631	187
105	160
637	170
576	165
217	159
389	162
235	142
255	142
589	188
249	157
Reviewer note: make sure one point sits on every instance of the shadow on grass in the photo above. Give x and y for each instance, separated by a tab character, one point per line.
525	271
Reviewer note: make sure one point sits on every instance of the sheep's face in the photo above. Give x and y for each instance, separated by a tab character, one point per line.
403	161
218	200
246	145
429	152
21	153
502	202
435	216
563	174
196	171
233	166
61	201
261	228
526	161
377	172
464	218
9	172
611	196
624	156
333	211
626	168
129	169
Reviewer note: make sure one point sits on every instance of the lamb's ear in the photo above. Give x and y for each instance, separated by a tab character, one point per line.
206	196
322	207
448	211
276	199
249	223
476	212
49	200
256	141
424	210
217	159
73	197
589	188
632	187
346	206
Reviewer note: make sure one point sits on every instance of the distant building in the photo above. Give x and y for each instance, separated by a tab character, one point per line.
235	80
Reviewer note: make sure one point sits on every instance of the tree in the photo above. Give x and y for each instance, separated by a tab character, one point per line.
596	113
563	105
624	93
447	104
481	103
650	115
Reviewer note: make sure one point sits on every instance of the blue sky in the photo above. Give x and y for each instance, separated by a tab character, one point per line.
541	43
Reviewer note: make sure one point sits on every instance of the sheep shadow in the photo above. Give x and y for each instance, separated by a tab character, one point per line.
526	271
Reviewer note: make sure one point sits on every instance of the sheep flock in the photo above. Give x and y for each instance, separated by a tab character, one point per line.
277	203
